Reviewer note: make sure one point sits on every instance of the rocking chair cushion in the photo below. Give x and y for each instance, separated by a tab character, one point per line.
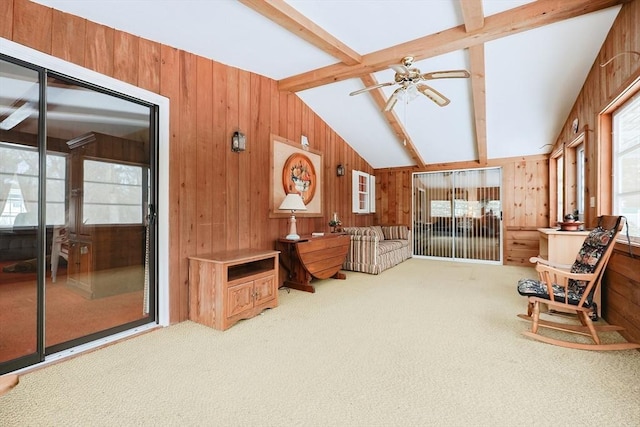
594	246
536	288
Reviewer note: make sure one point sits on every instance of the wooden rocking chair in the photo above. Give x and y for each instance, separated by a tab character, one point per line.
572	290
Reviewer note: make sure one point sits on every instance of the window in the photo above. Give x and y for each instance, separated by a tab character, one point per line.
19	189
363	192
580	177
441	208
568	179
626	163
112	193
559	188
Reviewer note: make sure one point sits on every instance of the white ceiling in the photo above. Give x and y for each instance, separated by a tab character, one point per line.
532	77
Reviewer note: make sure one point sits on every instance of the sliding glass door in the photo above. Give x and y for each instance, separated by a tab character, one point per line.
21	239
458	214
77	193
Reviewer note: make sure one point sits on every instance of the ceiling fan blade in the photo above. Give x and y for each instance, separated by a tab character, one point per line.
399	68
392	100
433	95
449	74
366	89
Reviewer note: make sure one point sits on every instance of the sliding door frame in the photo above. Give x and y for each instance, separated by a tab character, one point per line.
468	229
42	63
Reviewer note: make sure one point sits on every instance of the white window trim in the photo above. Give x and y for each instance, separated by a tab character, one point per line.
370	201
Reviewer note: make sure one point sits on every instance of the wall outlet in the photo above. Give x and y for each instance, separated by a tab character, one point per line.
592	201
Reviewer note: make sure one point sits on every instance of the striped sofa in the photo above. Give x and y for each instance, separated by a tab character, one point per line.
376	248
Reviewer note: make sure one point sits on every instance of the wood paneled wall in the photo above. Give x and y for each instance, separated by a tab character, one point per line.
525	181
621	285
218	199
525	195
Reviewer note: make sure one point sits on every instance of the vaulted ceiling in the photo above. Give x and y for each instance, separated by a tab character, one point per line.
528	61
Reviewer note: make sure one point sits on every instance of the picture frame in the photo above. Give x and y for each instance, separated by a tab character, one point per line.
294	169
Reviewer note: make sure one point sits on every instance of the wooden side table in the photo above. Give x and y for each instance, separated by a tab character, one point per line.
310	257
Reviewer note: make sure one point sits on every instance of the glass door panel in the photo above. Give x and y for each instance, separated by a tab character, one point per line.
457	214
20	263
99	239
77	242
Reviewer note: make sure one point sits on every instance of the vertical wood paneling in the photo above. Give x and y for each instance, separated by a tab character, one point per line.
6	19
261	113
621	287
246	190
218	154
170	88
99	48
68	37
232	160
204	155
149	65
188	161
125	57
525	191
32	25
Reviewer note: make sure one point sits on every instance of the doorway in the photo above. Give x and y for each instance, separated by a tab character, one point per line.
458	215
78	191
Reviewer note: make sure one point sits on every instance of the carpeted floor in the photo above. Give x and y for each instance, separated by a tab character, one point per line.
425	343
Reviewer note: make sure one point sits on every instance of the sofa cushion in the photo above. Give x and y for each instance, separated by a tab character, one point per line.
395	232
377	230
388	246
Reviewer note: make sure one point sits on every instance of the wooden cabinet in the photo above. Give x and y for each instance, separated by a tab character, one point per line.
561	247
225	287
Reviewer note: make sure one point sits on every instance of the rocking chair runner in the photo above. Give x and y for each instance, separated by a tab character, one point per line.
572	290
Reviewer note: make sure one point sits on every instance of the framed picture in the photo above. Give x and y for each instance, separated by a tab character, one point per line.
295	170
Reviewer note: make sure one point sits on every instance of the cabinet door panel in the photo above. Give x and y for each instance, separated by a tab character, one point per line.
265	289
239	298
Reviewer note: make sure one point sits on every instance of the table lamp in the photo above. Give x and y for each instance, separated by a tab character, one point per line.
293	202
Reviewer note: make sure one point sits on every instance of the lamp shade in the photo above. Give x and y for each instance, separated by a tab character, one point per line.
293	202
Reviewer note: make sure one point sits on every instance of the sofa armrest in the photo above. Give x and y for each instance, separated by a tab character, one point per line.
363	249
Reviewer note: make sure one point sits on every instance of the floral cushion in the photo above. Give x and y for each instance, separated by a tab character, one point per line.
590	254
594	246
536	288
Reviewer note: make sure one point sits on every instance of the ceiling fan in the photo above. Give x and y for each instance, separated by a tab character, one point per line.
410	81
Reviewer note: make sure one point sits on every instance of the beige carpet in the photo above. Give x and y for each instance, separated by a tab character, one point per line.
425	343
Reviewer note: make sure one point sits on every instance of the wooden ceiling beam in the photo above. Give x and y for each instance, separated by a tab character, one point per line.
473	16
393	120
523	18
289	18
478	93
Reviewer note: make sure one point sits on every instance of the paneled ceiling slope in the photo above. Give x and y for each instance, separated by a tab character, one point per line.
528	61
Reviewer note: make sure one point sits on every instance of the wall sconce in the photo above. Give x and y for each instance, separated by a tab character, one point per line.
238	142
340	170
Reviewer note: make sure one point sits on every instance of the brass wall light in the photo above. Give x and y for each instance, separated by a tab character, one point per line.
340	170
238	142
